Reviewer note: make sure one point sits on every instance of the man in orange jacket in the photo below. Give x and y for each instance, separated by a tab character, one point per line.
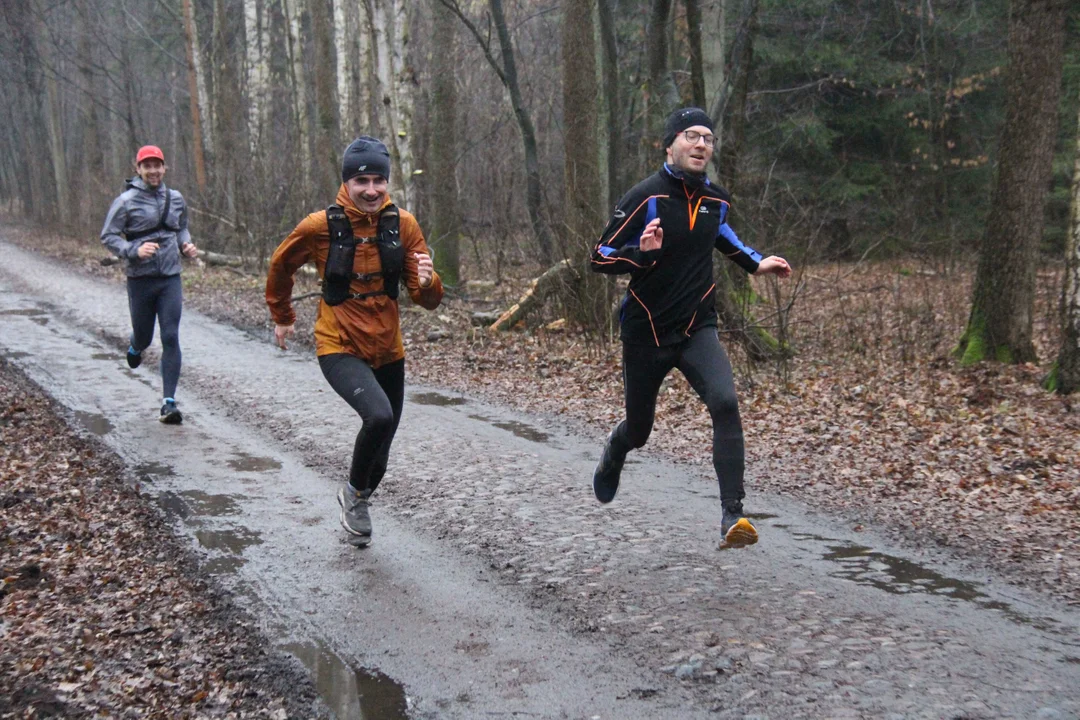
362	247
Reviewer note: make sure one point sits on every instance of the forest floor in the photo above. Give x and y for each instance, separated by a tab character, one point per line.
105	612
871	415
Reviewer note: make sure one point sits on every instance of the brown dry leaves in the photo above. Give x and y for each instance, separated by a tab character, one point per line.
100	614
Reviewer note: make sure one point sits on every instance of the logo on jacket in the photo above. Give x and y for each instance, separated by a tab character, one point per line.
704	211
619	214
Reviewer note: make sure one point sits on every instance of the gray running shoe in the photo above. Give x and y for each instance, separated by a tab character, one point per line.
354	512
170	414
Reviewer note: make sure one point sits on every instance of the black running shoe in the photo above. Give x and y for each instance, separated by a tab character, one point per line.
170	414
134	359
737	531
605	479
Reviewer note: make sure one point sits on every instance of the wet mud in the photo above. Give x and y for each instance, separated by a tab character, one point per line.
351	692
436	399
249	463
518	429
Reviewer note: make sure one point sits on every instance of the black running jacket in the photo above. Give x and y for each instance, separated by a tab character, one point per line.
672	291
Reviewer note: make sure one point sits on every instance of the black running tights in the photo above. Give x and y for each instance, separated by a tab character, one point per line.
162	299
703	362
377	395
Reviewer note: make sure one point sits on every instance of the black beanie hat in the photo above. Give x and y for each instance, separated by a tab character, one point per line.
682	119
365	155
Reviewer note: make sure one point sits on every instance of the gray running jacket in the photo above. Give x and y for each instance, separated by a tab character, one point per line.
138	209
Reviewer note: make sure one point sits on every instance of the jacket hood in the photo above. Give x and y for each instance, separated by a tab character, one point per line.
137	183
345	201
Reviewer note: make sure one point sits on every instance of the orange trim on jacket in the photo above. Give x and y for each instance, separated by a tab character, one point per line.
369	328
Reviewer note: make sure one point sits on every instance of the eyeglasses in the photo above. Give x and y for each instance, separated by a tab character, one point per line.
692	136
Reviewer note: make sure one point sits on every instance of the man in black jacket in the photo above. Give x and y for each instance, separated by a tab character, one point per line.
663	232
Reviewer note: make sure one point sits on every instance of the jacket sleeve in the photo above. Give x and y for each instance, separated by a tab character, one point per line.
728	243
619	249
111	232
413	240
183	237
294	251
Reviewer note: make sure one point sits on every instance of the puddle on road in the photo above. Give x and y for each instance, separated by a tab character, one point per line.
434	398
521	430
760	516
251	463
104	356
188	503
351	692
97	424
224	565
231	541
147	472
25	312
42	321
898	576
16	354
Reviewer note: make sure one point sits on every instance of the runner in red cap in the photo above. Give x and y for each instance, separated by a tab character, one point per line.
147	226
149	151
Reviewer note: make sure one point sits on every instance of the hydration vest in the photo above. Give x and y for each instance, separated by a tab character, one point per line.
338	274
163	223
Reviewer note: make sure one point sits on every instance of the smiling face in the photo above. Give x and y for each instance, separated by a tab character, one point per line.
368	192
691	157
152	171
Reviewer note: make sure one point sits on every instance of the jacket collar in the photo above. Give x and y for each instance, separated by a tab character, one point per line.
354	213
692	182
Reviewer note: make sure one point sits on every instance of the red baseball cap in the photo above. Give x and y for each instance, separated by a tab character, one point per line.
146	152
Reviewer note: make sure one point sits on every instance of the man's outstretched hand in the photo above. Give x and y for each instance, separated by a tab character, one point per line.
282	333
774	265
652	237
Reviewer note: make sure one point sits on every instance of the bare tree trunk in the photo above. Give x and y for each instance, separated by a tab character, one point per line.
734	103
714	56
327	136
1065	378
697	63
54	119
257	40
584	197
445	237
93	160
344	59
999	326
390	37
196	91
609	64
662	96
293	11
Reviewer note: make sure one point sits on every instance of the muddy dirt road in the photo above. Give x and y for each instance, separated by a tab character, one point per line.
496	586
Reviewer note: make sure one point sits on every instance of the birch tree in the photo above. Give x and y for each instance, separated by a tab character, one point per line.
396	83
257	46
197	95
293	12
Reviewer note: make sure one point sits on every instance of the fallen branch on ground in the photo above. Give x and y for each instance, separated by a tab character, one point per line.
559	273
